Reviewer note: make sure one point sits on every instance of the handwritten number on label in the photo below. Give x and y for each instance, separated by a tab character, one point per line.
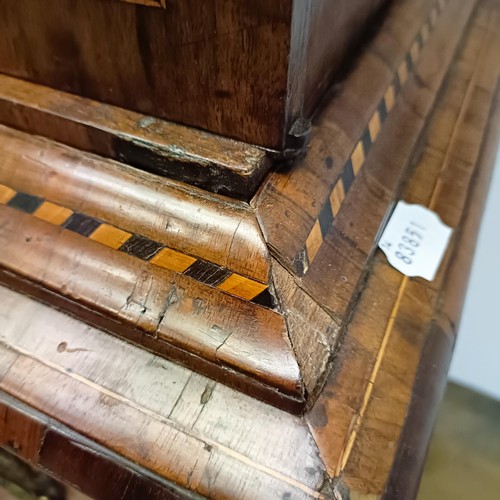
406	249
414	240
404	258
409	246
417	225
414	234
410	241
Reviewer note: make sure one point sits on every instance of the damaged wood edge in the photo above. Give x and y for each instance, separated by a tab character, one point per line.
305	319
363	279
55	435
343	322
218	164
219	373
406	172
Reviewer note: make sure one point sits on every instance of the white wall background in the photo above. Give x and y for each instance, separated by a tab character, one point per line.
476	361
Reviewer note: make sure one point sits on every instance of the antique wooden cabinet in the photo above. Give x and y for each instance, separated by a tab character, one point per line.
251	70
197	307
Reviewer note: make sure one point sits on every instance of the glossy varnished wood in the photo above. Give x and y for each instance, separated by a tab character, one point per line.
168	312
183	426
218	242
191	221
112	245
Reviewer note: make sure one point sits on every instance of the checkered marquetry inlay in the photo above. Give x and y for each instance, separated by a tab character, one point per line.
138	246
354	164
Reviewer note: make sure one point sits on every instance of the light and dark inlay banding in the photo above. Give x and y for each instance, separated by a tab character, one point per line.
138	246
348	176
208	273
326	218
366	140
382	110
331	206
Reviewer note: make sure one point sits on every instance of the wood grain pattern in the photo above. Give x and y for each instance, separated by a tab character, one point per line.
234	445
225	336
436	356
193	222
192	156
324	53
313	333
357	348
398	320
170	224
136	245
235	69
194	62
297	195
333	204
212	240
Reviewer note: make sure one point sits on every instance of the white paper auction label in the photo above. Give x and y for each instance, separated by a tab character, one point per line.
415	240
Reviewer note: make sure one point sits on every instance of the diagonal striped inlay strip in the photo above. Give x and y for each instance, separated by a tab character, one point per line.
354	164
138	246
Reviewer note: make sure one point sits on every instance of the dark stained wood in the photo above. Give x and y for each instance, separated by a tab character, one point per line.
21	434
232	67
205	160
325	52
357	348
194	62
